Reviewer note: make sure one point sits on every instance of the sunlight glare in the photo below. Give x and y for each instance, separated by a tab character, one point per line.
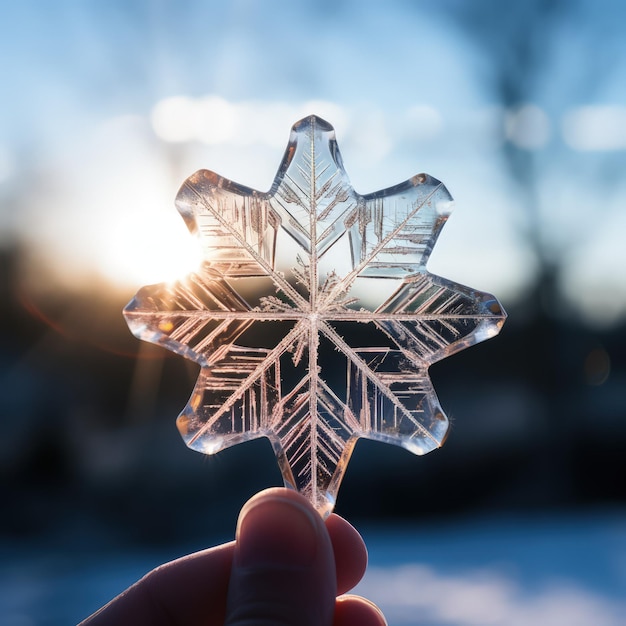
151	246
112	213
143	240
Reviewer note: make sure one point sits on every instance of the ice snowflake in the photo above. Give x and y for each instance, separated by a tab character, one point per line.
313	317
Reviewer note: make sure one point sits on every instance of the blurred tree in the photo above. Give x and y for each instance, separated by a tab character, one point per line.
517	41
526	46
523	45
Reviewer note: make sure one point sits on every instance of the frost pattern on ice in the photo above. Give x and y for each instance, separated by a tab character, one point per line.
313	317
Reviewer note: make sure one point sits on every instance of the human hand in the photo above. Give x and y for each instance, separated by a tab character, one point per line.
286	567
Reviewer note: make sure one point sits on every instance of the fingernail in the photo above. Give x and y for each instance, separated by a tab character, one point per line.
276	532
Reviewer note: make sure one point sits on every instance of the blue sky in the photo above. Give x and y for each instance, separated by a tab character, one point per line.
520	111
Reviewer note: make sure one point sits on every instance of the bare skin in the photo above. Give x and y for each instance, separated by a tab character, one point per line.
286	567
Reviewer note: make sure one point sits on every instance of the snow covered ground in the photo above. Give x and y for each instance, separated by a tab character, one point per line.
557	571
565	570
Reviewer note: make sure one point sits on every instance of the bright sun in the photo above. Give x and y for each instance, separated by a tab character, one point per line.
113	213
145	247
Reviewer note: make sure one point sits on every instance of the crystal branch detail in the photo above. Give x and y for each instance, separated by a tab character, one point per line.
313	317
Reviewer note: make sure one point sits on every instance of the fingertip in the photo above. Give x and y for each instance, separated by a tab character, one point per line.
349	548
283	567
357	611
350	552
276	493
276	529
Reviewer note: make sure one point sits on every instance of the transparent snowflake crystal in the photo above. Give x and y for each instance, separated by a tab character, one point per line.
312	317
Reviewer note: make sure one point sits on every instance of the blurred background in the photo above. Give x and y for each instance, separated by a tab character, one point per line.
519	108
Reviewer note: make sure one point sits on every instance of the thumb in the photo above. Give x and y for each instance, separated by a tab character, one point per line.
283	569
